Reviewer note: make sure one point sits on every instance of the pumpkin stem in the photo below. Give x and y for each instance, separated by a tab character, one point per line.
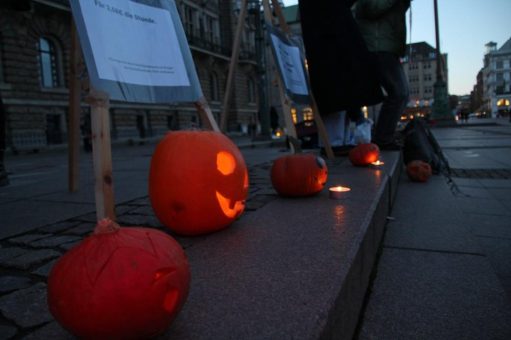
106	226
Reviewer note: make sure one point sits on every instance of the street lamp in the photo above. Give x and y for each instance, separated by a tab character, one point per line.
441	104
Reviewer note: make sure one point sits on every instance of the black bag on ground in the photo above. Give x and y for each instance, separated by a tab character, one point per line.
420	144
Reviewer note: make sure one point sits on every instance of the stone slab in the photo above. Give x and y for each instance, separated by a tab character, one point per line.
428	295
488	225
15	221
422	223
499	253
290	269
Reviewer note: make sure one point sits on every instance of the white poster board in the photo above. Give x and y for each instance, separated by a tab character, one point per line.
289	60
136	50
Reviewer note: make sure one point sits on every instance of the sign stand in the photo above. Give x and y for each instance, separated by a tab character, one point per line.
206	115
73	141
232	66
283	97
102	154
186	90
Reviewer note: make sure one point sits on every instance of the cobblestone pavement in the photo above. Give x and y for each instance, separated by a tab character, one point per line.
26	259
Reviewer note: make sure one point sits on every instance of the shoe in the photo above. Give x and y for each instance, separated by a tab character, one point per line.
339	151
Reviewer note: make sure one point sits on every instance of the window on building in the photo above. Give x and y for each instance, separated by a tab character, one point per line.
189	17
251	90
49	63
499	64
214	87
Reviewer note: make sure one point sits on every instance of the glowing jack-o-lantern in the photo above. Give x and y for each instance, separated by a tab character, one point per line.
364	154
299	175
119	283
198	182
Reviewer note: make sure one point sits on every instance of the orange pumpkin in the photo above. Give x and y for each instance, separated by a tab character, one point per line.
198	182
119	283
364	154
418	171
299	175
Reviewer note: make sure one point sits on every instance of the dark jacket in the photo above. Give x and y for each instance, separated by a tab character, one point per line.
383	24
342	72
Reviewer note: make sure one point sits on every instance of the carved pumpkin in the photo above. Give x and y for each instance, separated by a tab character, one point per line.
198	182
364	154
299	175
119	283
418	171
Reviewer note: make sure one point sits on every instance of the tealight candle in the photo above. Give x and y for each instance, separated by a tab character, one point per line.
337	191
377	163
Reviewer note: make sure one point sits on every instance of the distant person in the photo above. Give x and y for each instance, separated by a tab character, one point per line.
343	73
383	26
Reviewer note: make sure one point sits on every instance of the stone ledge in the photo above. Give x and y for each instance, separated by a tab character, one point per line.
295	268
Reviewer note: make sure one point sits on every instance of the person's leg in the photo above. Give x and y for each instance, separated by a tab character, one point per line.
394	82
355	115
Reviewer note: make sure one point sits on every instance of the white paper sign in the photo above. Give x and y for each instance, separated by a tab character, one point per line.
290	64
134	43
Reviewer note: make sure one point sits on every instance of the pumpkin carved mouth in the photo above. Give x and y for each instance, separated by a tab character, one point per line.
229	207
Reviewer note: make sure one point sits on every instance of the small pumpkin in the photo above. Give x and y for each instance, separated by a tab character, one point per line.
299	175
119	283
198	182
364	154
418	171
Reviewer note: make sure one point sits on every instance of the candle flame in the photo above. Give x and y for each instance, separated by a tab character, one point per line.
340	189
378	163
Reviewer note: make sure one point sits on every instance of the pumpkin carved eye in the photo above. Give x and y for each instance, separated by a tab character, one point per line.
225	163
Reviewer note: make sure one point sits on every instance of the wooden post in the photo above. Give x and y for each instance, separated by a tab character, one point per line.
206	115
102	154
284	100
73	133
232	67
320	126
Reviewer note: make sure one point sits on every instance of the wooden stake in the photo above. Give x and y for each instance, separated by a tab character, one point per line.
73	133
234	60
320	126
102	154
206	115
284	100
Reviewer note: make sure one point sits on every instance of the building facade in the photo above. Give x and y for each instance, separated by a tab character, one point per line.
496	79
420	66
35	48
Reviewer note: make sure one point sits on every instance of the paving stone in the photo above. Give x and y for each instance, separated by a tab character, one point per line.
85	228
430	295
50	242
498	250
27	307
25	240
31	258
8	253
67	246
88	218
50	331
45	269
483	206
7	332
58	227
10	283
489	225
139	220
